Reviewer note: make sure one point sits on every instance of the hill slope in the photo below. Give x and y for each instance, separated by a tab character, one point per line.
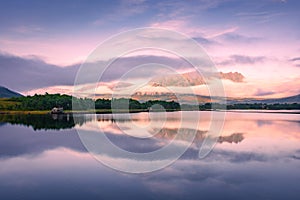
6	93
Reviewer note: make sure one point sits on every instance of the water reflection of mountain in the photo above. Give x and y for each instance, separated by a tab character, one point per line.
233	138
166	133
66	121
182	134
39	122
199	135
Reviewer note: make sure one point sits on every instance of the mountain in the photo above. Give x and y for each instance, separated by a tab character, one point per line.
289	100
190	98
192	78
6	93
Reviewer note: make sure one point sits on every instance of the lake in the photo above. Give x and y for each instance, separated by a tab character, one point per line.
257	156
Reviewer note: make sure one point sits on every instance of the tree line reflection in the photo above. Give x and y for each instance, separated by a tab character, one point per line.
41	122
66	121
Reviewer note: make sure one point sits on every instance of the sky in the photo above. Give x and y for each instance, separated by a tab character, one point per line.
43	43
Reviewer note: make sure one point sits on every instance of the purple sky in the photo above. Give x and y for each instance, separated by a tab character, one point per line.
43	43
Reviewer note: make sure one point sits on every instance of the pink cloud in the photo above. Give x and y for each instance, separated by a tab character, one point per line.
183	25
60	51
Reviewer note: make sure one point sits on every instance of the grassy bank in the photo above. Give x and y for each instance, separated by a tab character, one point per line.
97	111
24	112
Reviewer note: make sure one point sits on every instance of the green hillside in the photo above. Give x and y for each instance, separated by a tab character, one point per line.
6	93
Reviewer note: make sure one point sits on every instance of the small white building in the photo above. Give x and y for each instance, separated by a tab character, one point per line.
56	110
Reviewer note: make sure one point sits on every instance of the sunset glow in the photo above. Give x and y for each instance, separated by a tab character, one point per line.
259	39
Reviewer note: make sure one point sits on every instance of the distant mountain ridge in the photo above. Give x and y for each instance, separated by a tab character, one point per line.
202	99
289	100
184	98
7	93
192	79
190	98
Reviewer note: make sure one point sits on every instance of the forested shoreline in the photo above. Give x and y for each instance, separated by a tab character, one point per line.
48	101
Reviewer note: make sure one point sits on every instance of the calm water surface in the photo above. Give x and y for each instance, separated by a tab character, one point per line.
257	157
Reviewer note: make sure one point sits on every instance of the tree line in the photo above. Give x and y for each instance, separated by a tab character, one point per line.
48	101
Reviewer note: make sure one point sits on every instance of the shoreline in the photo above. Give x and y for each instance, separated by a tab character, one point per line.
102	111
108	111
